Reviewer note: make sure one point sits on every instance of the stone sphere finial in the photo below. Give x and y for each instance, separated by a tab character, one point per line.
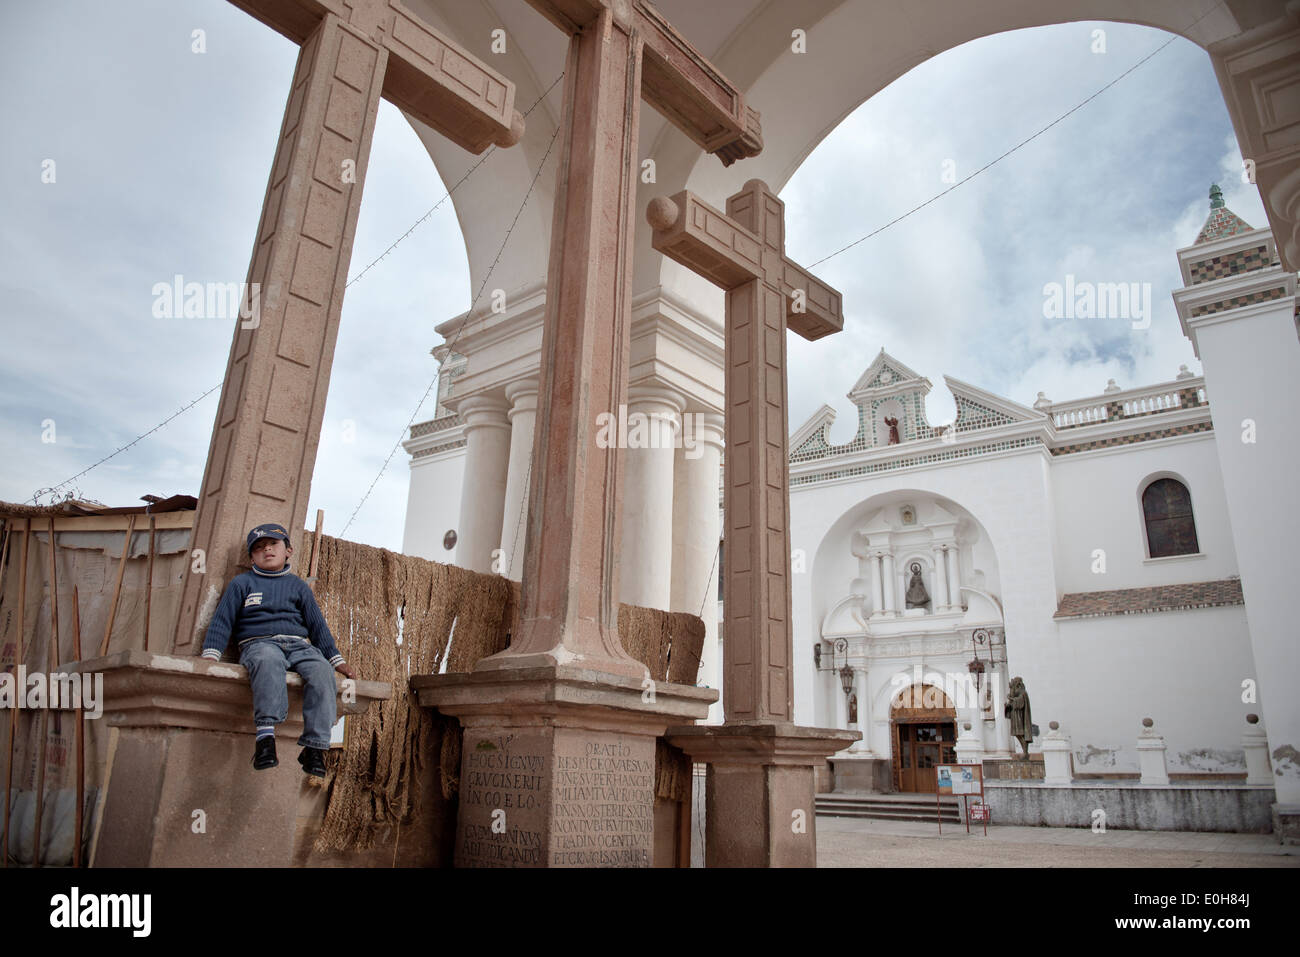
662	213
1252	719
1147	723
1054	725
966	726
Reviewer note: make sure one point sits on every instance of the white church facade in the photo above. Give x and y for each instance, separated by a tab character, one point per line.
1088	546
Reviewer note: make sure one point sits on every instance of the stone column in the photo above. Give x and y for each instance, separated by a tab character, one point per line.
877	587
889	585
968	747
939	593
487	462
1056	756
696	530
954	576
1255	743
646	558
522	397
1151	755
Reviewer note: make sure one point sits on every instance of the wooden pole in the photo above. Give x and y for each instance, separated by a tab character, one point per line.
80	734
315	543
53	657
117	589
18	659
148	585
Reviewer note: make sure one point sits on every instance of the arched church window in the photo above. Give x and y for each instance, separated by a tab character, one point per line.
1167	511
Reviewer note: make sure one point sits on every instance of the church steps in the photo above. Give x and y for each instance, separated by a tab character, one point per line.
889	807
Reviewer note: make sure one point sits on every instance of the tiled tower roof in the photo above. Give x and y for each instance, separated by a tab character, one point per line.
1222	222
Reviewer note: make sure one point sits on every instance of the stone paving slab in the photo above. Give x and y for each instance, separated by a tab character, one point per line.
850	842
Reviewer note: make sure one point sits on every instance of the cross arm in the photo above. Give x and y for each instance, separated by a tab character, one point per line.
428	76
676	79
705	240
820	311
708	242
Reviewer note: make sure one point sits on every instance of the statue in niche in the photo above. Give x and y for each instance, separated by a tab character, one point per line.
917	596
1017	709
853	709
893	429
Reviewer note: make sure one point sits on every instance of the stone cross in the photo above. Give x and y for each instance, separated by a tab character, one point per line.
263	447
621	51
743	251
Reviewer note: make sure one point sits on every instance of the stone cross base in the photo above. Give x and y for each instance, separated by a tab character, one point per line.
179	784
760	804
558	763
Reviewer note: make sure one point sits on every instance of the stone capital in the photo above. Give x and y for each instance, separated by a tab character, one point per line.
563	695
484	412
655	399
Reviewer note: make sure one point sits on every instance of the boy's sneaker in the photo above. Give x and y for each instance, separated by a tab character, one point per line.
264	754
313	761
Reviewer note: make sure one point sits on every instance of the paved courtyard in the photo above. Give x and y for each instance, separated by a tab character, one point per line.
855	842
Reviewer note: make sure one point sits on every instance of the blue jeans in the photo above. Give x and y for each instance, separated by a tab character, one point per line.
267	661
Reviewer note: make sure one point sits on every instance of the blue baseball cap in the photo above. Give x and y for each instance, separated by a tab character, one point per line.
267	531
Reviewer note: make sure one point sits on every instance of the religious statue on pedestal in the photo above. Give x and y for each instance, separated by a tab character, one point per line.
893	429
917	596
1017	709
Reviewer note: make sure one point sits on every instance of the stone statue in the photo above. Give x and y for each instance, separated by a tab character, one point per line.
853	710
917	596
893	430
1017	709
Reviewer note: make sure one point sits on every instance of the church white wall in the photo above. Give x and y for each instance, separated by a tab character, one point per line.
1251	356
1009	496
1098	506
1183	669
433	504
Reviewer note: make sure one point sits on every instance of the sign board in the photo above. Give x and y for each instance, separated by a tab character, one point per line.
960	778
979	812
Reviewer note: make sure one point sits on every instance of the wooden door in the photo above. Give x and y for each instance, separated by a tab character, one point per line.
921	748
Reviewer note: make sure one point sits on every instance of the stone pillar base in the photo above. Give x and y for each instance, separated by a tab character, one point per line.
558	763
1286	823
760	808
181	741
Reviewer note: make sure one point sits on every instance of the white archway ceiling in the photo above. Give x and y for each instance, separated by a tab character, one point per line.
855	49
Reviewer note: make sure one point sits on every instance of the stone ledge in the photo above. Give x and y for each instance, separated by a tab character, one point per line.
760	743
560	695
143	689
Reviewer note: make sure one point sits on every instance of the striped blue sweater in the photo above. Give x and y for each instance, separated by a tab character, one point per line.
258	604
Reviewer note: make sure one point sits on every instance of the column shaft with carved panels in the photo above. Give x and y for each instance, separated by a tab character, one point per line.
264	442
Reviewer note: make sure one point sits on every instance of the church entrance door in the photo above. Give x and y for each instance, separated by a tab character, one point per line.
920	749
924	725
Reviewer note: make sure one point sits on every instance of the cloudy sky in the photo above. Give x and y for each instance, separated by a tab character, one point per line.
160	158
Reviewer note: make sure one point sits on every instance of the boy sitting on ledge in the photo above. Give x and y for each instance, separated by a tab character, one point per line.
273	615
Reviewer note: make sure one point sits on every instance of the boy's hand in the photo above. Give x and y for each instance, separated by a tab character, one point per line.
345	670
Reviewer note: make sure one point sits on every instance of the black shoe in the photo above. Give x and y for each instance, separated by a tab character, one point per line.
264	754
313	761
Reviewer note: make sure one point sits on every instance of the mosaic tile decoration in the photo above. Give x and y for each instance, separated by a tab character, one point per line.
1244	260
440	424
1236	302
907	461
1138	601
972	415
1220	224
1130	439
459	443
